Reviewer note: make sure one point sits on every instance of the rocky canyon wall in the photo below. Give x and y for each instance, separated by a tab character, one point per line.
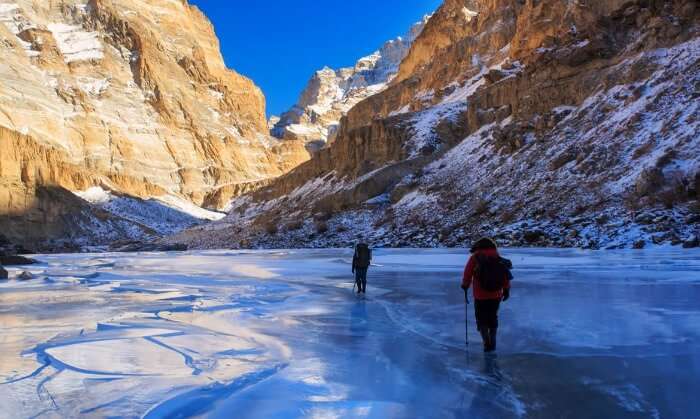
550	123
131	96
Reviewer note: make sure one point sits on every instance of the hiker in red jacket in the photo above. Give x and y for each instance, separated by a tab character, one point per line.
490	274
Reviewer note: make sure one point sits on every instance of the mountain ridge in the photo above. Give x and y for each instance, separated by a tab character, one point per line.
330	93
541	123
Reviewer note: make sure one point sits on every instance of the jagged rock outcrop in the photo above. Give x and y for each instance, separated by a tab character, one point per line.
538	122
331	93
130	96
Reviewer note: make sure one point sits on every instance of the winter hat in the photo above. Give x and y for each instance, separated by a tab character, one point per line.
484	243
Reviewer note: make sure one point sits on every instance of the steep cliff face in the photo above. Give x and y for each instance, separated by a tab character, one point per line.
132	96
538	122
330	94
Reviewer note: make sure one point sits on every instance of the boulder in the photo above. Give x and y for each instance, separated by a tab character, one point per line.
25	276
644	218
174	247
3	273
692	243
494	76
532	236
138	246
117	245
649	181
15	260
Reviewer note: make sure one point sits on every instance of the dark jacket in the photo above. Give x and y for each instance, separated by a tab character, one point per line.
358	263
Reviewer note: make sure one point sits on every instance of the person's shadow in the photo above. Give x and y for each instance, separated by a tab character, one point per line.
492	369
489	389
359	322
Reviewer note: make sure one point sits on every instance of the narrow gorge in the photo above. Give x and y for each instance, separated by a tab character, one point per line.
495	214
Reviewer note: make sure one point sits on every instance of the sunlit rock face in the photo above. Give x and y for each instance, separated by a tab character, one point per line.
331	93
129	95
558	123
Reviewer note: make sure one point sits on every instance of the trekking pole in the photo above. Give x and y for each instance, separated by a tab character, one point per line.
466	317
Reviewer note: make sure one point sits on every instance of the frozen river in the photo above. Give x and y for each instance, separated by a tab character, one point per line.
609	334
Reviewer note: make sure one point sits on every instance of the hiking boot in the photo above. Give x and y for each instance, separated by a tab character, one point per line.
485	336
492	339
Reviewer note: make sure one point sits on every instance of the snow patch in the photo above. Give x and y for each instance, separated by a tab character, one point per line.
469	14
424	124
76	44
92	86
415	199
95	195
189	208
165	214
234	131
404	109
302	129
216	94
11	16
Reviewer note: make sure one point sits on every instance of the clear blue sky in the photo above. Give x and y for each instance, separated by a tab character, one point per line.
279	44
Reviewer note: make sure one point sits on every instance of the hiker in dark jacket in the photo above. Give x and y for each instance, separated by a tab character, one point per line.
360	263
490	275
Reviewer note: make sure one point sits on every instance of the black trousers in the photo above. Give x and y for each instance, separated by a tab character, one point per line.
361	278
486	312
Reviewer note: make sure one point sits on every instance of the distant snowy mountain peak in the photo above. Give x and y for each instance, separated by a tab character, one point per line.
330	94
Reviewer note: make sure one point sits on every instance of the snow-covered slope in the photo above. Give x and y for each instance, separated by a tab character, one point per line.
539	123
331	93
167	214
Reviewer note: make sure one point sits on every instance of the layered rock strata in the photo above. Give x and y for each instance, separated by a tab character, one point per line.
130	96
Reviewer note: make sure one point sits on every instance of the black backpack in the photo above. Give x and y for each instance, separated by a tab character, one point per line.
363	255
491	272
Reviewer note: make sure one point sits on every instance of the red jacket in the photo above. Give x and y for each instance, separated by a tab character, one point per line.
468	278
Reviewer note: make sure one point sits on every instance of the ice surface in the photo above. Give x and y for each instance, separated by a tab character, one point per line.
280	334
